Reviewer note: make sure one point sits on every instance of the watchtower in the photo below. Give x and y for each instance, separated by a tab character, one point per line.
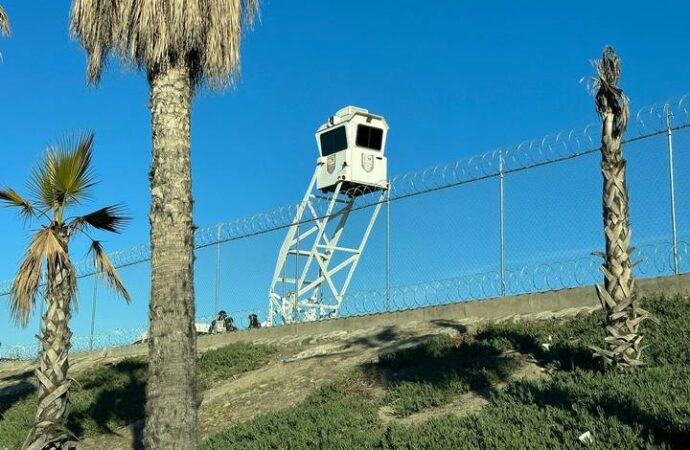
352	147
314	267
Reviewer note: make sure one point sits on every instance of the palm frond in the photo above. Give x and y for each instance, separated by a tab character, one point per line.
73	171
11	198
157	35
107	270
65	176
42	184
4	23
44	249
111	218
609	96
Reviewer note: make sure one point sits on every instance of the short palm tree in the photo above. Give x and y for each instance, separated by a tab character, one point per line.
618	297
61	181
180	45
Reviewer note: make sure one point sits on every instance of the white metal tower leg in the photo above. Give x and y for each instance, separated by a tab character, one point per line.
277	301
313	241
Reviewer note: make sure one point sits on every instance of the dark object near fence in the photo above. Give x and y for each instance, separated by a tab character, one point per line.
254	321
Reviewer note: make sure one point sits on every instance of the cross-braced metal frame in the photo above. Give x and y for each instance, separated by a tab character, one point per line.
311	244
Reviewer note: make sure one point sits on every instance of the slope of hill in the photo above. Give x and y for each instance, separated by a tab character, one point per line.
520	379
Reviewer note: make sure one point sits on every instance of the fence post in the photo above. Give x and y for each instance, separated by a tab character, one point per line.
93	311
501	176
297	274
671	177
218	271
388	250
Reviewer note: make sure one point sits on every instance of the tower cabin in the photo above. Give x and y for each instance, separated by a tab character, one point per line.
352	151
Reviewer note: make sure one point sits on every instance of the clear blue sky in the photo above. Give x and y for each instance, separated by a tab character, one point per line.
453	78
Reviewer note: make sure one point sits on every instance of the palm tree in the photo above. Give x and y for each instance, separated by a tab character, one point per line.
181	45
618	297
63	180
4	23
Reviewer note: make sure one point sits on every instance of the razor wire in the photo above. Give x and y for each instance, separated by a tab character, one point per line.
647	122
651	259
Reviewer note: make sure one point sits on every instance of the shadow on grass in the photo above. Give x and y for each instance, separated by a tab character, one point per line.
566	356
386	335
110	398
435	371
10	395
444	323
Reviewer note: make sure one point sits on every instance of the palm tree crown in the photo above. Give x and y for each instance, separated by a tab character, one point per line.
156	35
609	97
63	179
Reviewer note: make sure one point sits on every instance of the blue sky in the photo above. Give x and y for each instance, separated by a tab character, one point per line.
453	78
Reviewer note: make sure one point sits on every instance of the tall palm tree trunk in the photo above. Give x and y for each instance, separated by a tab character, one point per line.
171	405
618	297
54	385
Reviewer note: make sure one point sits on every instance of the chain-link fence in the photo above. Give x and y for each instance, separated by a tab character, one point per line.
516	220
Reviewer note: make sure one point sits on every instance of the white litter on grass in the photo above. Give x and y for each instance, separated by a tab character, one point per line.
547	346
586	438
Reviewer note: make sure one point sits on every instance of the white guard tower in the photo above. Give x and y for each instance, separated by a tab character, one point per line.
351	163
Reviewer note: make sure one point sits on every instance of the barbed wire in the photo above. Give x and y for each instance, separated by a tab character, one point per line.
646	122
652	259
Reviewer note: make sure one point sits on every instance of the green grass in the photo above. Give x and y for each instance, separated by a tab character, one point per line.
647	409
435	372
110	397
331	417
232	360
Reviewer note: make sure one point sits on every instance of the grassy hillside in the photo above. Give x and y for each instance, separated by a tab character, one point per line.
459	392
648	409
111	397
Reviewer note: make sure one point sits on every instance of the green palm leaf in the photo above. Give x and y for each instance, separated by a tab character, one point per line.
65	177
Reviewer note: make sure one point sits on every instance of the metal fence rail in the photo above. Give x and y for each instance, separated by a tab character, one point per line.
665	251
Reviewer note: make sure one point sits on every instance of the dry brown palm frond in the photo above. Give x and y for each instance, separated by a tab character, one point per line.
157	35
10	197
4	22
106	269
111	218
45	248
609	96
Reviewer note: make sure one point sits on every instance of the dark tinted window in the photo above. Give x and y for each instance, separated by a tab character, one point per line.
333	141
369	137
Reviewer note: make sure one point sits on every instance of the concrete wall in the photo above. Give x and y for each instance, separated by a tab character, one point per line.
486	309
490	309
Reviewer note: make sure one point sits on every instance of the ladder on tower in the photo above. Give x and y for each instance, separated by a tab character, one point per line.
320	269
